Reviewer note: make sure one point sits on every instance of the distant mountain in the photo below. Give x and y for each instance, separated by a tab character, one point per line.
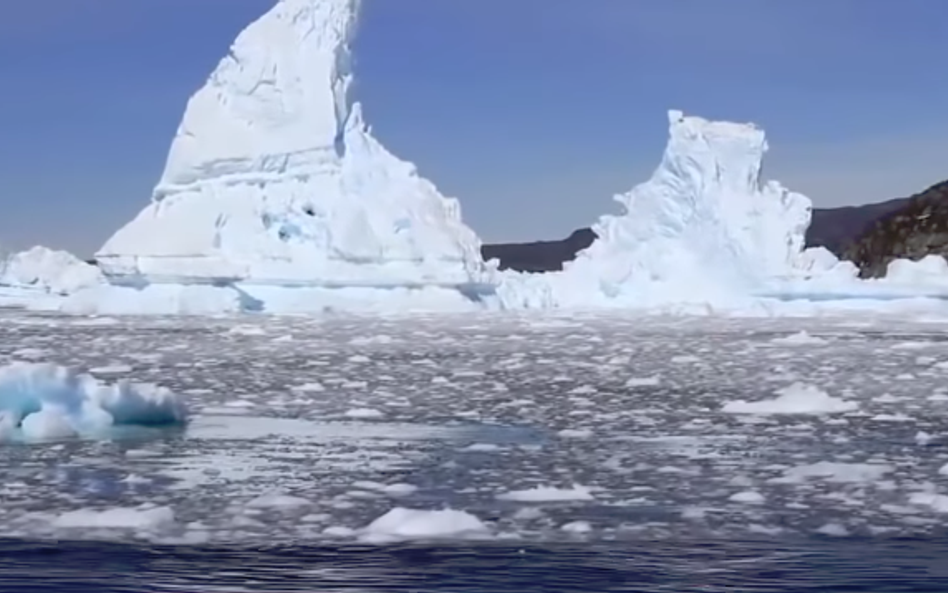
539	256
833	228
836	228
918	227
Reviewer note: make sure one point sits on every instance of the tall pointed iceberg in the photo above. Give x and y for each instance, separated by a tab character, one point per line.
273	178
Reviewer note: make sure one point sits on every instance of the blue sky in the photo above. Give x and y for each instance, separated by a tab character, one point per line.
533	112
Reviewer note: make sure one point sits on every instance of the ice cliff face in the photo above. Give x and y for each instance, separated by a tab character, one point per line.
703	228
273	178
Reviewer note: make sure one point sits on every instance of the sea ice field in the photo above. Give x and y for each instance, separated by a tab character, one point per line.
344	429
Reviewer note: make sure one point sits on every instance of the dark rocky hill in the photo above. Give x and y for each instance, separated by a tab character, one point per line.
837	228
918	227
539	256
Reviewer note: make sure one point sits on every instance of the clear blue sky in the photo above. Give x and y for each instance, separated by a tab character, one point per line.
532	112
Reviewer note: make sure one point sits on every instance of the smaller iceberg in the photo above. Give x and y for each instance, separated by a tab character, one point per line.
50	271
41	278
43	401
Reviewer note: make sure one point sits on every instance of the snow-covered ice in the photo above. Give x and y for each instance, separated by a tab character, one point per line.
478	415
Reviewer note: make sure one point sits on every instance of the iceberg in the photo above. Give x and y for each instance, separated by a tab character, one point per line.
274	181
277	198
707	233
43	274
704	228
41	401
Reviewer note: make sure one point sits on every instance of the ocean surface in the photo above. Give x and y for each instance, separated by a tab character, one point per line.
491	453
910	565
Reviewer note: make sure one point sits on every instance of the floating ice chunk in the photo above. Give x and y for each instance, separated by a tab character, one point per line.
834	472
30	353
277	500
801	338
892	418
575	433
364	413
47	401
938	502
748	497
116	518
577	527
112	369
643	382
549	494
694	513
311	387
482	448
795	399
764	529
833	530
47	270
911	345
411	524
944	470
399	489
528	514
247	330
369	340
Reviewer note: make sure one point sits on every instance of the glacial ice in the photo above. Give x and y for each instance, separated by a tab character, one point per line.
42	271
705	228
705	212
277	198
273	179
43	401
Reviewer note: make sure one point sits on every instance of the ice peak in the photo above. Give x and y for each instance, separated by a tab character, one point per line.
732	152
282	89
273	179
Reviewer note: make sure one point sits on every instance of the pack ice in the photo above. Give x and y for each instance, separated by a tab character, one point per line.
274	180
